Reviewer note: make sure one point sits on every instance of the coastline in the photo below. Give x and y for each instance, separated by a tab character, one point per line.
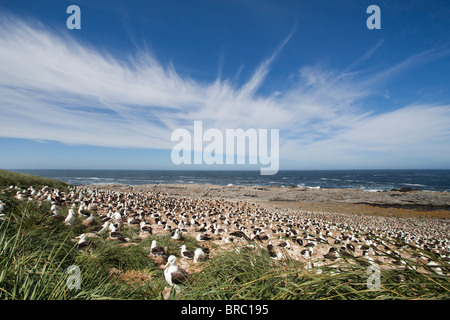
424	204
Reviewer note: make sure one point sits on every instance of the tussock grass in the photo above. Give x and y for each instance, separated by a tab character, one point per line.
35	266
254	275
37	249
22	180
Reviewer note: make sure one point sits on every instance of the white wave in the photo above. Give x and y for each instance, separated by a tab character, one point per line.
413	184
370	190
98	183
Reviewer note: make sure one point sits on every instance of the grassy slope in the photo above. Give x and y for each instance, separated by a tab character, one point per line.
8	178
37	250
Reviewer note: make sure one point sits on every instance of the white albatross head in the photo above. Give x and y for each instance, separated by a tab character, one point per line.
171	262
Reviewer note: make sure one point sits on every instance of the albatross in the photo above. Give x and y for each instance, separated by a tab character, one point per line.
89	222
69	221
156	250
199	255
203	237
185	253
2	215
177	235
172	273
83	244
53	209
145	228
117	236
274	255
104	227
82	211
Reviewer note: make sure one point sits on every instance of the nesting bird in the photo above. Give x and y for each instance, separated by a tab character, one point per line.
54	210
203	237
285	244
239	234
177	235
185	253
274	255
117	236
199	255
70	219
145	228
2	215
117	218
332	254
307	253
83	244
157	250
173	274
89	222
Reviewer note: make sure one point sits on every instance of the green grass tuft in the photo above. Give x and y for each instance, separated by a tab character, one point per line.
22	180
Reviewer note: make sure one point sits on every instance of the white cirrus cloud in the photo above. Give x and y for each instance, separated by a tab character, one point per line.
55	88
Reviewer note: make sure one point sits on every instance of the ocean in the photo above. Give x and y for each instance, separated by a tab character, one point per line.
368	180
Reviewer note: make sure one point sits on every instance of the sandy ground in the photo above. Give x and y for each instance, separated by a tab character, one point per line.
351	201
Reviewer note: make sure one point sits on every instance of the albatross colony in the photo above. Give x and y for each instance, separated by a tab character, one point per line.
316	238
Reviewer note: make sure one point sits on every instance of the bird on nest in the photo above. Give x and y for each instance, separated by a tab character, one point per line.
157	250
186	253
89	221
84	245
117	236
145	228
177	235
199	255
69	221
173	274
274	255
203	237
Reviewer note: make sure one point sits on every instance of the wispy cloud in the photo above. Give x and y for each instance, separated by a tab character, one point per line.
55	88
366	55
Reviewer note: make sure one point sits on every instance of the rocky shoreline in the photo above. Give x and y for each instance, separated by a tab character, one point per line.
390	203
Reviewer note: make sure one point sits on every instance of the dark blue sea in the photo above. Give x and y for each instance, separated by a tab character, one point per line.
368	180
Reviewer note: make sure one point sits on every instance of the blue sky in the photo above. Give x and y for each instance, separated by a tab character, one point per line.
109	95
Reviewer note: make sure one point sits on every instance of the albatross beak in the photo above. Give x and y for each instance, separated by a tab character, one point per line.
167	264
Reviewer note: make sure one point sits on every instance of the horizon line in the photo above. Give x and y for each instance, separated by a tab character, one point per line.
224	170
